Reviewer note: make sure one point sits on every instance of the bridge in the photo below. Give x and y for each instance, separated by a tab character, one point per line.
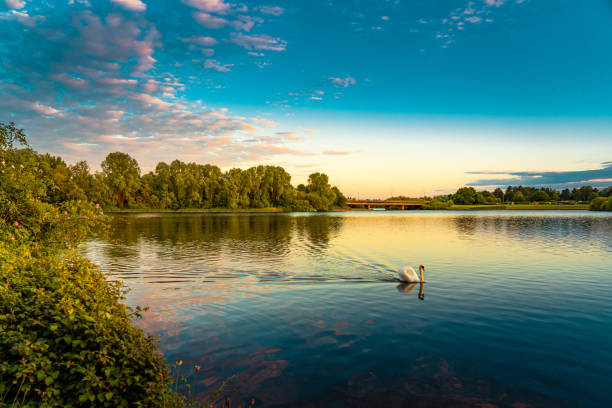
387	204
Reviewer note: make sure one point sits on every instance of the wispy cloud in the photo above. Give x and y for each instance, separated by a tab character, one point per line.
258	42
273	10
343	82
15	4
217	66
601	176
340	152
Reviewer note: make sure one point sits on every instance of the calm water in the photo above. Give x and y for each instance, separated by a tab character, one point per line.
302	308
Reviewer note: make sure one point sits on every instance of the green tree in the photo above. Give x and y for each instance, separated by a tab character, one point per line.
10	135
320	194
465	196
566	194
518	197
499	193
122	176
540	196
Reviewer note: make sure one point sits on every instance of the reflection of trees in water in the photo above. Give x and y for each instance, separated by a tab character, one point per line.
318	230
536	228
264	233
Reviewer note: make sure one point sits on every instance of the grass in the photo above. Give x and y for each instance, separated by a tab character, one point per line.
523	207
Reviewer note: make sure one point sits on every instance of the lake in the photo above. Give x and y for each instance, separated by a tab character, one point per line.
302	309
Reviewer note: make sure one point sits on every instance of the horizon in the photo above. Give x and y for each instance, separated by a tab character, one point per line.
386	98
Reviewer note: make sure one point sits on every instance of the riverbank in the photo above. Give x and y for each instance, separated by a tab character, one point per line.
521	207
281	210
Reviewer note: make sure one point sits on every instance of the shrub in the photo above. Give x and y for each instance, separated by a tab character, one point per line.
437	204
65	337
598	204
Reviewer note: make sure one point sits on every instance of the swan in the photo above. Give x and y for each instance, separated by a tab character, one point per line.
407	274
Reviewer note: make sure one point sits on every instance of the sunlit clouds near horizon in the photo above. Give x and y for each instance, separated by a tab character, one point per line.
386	97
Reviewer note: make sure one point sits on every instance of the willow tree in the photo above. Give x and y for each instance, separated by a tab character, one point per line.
122	176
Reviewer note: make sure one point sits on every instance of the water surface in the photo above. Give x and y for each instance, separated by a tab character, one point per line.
302	309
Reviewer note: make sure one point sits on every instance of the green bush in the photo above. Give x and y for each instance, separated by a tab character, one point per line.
598	204
65	337
437	204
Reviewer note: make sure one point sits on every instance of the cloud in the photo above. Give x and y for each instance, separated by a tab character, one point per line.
273	10
217	66
343	82
265	122
210	21
246	23
15	4
211	6
23	17
546	178
258	42
133	5
85	80
201	40
340	152
45	110
291	136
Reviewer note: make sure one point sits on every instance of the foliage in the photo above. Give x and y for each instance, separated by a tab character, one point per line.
601	204
122	176
438	204
65	337
465	196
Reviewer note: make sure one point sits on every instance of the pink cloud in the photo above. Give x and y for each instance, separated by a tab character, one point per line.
133	5
258	42
201	40
246	23
273	10
212	6
265	122
210	21
69	80
340	152
23	17
217	66
45	110
15	4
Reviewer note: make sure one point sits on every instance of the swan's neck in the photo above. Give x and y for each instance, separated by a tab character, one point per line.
421	272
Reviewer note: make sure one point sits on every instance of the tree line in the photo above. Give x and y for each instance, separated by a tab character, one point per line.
180	185
599	199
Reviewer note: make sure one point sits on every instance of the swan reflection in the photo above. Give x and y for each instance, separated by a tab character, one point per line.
409	288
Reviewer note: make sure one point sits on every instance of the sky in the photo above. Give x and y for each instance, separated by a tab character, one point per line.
387	97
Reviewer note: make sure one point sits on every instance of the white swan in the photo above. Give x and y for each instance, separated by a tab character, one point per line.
407	274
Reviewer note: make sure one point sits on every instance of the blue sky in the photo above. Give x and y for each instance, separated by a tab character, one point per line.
403	97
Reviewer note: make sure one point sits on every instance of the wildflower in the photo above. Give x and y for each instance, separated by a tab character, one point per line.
97	205
12	166
197	368
179	363
101	212
65	212
16	223
21	165
2	171
12	238
3	162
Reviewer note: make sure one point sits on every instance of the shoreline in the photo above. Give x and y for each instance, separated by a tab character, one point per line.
276	210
